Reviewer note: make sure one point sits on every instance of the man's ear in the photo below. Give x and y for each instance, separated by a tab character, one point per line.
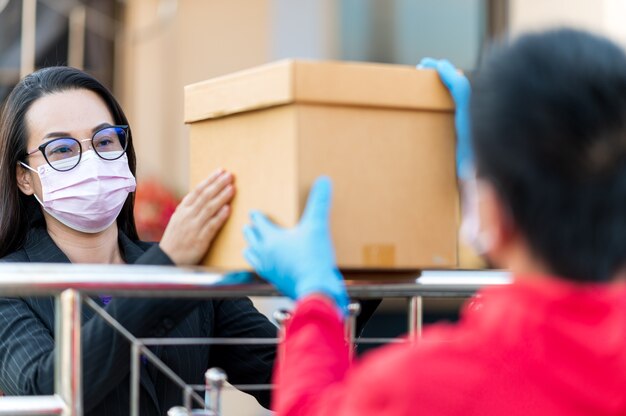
24	179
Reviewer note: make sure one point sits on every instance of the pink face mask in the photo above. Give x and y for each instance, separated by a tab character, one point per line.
89	197
472	233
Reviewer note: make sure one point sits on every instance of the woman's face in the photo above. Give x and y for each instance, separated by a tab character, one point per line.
72	113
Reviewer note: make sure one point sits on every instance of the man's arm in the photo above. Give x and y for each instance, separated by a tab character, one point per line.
313	358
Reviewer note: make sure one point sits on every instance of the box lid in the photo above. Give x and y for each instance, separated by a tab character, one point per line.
317	82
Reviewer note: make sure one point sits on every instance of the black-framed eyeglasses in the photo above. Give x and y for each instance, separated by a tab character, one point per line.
64	153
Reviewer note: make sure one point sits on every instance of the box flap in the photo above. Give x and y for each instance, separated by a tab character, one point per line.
317	82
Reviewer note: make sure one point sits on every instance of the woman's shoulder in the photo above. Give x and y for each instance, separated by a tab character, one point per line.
142	252
19	253
36	247
18	256
145	245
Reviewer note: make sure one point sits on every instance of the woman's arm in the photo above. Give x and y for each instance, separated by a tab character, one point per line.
27	346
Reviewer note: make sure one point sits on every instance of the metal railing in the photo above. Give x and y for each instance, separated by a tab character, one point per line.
73	284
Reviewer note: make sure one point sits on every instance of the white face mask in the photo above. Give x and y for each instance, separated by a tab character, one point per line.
471	229
89	197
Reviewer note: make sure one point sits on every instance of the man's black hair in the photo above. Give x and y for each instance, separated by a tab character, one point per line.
548	119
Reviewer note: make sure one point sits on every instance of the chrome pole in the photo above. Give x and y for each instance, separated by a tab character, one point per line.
187	402
164	281
135	368
415	318
177	411
354	309
68	372
215	378
281	316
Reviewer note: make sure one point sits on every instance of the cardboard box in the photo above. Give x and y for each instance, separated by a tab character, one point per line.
383	133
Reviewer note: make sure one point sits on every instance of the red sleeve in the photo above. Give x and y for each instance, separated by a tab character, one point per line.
313	358
314	377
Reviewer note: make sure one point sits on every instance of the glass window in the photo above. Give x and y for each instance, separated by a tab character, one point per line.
52	38
10	28
404	31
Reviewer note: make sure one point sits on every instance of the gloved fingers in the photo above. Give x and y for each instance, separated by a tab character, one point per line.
253	259
449	74
464	158
455	81
251	235
427	63
262	224
319	202
460	89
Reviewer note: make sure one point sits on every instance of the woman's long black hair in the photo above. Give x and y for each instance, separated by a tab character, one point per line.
17	210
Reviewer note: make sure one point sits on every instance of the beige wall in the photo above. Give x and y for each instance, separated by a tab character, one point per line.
601	16
168	44
162	52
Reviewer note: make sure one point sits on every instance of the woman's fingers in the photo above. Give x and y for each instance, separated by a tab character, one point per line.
192	196
212	207
216	222
213	189
198	218
208	197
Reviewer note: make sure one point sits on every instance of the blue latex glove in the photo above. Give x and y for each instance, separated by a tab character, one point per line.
301	260
460	89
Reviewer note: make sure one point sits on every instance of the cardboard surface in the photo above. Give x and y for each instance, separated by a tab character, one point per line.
384	134
341	83
393	206
258	147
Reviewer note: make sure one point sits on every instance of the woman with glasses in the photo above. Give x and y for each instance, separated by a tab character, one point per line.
67	167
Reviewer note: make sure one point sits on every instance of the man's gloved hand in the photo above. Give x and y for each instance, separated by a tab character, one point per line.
301	260
460	89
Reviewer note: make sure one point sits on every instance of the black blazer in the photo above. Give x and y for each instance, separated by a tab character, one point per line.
27	339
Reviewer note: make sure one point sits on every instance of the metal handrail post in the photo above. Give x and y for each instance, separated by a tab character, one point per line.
354	309
215	378
135	363
415	318
68	365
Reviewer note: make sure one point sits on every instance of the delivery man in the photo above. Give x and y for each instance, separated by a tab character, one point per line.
548	122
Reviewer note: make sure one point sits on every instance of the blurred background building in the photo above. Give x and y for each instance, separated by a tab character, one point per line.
146	51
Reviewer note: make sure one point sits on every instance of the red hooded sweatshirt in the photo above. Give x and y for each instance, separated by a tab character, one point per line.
540	346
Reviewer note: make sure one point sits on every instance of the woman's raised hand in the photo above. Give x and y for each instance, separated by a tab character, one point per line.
198	218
